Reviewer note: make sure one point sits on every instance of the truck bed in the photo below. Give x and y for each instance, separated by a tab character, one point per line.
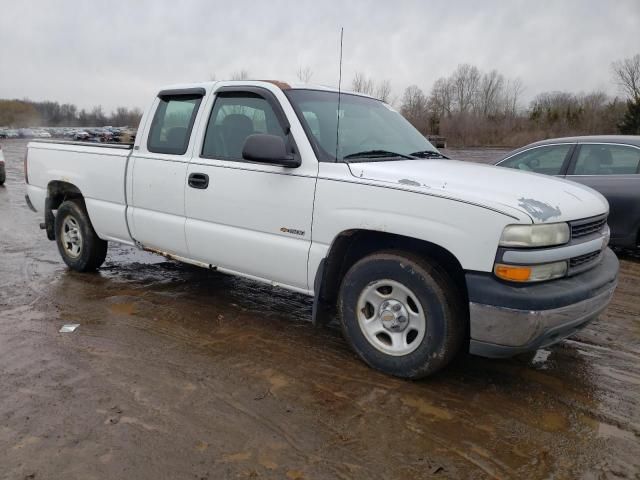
97	170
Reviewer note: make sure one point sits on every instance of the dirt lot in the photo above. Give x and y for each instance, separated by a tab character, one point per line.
181	373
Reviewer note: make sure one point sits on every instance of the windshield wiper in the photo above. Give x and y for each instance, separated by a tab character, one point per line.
429	154
371	154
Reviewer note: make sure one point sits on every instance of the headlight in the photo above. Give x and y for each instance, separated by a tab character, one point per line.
542	235
530	273
607	236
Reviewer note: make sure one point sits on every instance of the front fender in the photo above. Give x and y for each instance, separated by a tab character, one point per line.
468	231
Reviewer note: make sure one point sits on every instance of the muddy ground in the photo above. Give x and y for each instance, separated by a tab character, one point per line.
181	373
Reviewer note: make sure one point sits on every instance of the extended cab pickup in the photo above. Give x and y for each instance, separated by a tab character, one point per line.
337	196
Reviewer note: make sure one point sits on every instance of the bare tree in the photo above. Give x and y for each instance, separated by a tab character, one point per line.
98	114
627	75
465	80
513	92
594	106
240	75
305	74
383	91
414	108
362	84
441	98
490	91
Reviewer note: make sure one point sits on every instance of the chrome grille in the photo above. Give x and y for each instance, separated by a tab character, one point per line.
581	228
583	259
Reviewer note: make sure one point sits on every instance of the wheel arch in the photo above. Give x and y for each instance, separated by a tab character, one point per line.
58	191
352	245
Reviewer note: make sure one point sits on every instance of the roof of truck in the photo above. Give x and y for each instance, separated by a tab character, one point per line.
280	84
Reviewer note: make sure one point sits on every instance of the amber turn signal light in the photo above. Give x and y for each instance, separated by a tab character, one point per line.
512	273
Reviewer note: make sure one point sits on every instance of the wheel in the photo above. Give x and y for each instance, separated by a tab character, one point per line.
402	314
80	247
3	175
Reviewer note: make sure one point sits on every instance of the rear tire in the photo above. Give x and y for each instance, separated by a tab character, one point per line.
3	174
403	314
79	245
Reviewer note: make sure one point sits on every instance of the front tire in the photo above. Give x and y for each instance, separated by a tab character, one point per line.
79	245
402	314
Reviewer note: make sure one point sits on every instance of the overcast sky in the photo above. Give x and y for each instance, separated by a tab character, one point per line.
113	53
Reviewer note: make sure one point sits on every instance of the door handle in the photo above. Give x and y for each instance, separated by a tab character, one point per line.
199	180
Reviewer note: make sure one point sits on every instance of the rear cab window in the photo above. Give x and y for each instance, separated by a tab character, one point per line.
172	124
603	159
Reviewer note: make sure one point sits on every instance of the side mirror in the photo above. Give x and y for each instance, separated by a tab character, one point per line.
264	148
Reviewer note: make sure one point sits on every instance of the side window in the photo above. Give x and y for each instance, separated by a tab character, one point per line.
172	124
234	117
548	159
607	160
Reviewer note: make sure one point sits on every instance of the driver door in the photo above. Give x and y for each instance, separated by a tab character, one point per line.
246	217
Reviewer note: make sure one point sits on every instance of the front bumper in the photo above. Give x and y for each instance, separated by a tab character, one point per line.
506	320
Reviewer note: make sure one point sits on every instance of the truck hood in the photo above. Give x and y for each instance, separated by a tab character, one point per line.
542	198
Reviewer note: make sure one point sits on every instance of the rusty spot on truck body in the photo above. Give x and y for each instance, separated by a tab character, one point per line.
539	210
278	83
166	255
176	258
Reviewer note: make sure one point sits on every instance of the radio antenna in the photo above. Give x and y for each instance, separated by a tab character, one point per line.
339	94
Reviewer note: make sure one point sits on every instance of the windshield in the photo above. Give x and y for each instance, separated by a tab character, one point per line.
369	129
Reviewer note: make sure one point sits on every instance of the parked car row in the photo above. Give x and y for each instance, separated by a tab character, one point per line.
608	164
24	133
105	134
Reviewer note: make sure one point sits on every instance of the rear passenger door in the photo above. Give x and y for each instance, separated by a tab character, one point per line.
247	217
159	171
614	171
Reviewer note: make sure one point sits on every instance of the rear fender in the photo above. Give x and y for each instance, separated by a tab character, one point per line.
57	192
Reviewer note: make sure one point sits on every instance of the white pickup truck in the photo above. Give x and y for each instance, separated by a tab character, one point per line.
337	196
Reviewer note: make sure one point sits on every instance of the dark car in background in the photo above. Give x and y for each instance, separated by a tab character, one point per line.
608	164
3	174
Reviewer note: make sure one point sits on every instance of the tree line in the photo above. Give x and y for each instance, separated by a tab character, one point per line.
471	107
26	113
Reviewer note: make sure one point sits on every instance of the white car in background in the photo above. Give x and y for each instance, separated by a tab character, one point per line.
41	134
